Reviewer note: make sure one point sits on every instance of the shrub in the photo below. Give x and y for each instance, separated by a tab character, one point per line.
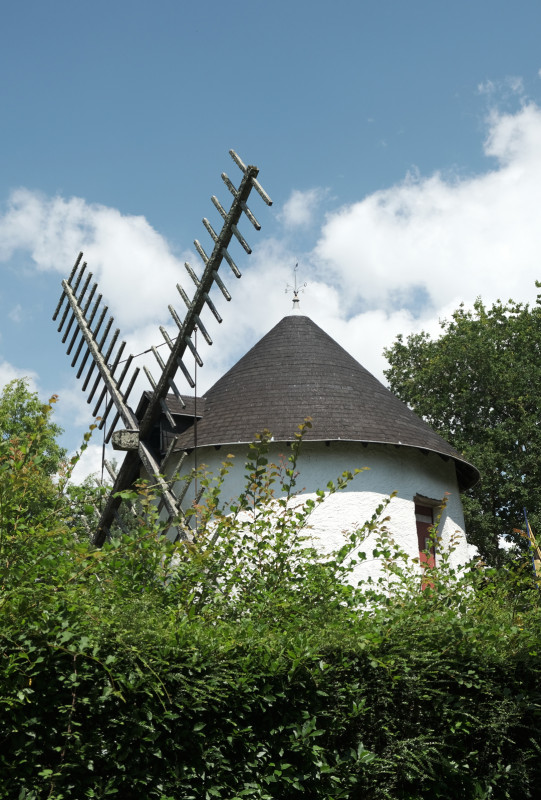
242	665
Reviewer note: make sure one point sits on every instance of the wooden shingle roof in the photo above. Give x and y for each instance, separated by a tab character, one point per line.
298	371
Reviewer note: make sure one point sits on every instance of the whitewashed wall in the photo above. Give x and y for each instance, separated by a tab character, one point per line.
403	470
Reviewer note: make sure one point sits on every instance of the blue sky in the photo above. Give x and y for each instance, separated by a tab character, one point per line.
400	142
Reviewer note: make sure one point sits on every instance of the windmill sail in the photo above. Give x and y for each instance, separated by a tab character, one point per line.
109	376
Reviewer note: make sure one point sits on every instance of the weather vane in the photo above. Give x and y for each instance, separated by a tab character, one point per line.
296	288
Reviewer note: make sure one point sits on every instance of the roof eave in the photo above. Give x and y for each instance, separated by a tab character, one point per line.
467	475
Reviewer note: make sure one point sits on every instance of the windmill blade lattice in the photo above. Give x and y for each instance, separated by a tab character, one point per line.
98	352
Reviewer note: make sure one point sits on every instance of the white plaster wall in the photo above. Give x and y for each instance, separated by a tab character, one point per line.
403	470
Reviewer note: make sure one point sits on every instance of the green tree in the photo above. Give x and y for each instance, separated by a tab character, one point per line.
22	414
479	386
30	458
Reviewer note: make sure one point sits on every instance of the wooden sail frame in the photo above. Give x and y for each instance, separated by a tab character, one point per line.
97	351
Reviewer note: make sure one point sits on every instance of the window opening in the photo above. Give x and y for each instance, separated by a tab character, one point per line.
424	518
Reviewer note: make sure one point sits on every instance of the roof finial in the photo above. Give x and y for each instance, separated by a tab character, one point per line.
296	289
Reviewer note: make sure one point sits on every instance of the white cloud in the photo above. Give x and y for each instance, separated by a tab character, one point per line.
16	313
486	87
404	258
122	251
9	372
299	210
511	85
394	262
516	84
90	463
431	242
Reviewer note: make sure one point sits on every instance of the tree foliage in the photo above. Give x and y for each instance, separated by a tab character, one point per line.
244	666
22	416
478	385
29	458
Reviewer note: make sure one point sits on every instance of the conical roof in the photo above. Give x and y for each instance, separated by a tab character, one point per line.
298	371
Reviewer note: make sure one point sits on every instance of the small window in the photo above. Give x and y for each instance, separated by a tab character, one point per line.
424	518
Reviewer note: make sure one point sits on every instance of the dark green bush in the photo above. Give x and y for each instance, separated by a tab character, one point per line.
152	670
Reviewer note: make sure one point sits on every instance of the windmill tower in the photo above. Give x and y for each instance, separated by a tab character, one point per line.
296	371
109	376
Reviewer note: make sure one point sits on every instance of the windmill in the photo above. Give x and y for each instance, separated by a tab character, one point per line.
110	376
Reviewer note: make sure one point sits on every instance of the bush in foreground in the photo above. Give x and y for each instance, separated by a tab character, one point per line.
243	666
